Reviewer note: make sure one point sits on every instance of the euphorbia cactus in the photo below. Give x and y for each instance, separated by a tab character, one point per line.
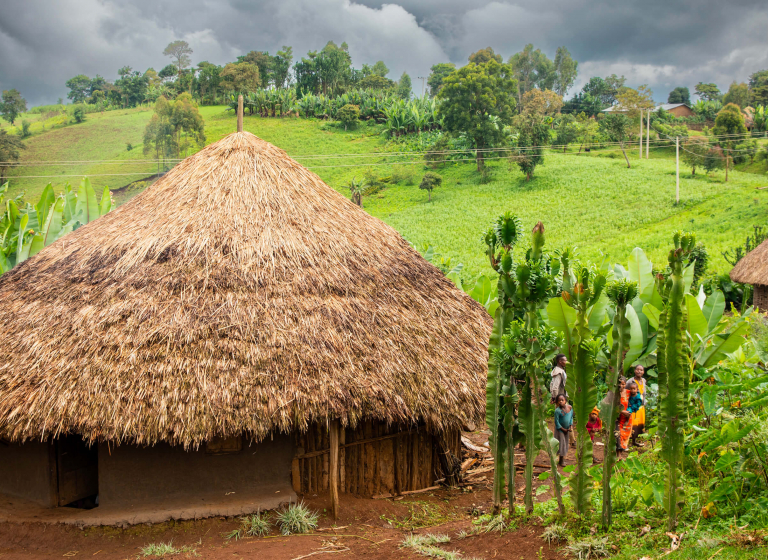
581	385
673	364
621	294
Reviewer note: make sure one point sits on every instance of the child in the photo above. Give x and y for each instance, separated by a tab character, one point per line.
595	424
624	422
563	424
638	424
631	402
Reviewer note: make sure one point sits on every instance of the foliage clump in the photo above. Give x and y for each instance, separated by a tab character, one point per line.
429	182
349	116
297	519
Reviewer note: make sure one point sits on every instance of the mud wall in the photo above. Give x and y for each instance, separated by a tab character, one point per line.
130	475
26	471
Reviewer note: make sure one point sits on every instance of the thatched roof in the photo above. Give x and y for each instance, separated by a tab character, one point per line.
238	294
753	267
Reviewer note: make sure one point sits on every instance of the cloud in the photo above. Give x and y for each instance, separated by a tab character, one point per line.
662	43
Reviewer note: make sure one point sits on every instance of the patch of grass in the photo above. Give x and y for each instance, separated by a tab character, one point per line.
426	545
587	549
166	549
493	524
420	514
296	519
256	525
555	534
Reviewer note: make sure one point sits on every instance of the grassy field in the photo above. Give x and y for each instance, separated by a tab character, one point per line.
591	202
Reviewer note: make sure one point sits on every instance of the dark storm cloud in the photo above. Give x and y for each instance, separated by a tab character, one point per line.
663	43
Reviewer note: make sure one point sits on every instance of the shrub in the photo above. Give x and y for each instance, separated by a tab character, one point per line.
129	146
555	533
430	181
24	130
348	115
297	519
78	114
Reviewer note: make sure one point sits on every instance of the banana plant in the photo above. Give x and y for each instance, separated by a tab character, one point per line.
26	229
621	294
580	386
673	363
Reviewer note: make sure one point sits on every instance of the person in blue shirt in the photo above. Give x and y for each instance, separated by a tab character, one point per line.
563	426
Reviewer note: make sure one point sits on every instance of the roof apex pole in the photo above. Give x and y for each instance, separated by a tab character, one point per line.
239	113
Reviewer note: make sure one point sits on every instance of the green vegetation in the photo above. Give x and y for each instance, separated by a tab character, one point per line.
296	519
166	549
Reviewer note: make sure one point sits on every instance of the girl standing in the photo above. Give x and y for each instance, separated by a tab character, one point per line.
563	425
557	386
638	424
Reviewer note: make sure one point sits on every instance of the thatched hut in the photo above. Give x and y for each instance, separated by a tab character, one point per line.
207	338
753	269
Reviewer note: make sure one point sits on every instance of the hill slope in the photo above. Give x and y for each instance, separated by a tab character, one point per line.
592	202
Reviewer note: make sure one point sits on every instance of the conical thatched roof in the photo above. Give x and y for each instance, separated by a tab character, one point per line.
239	294
753	267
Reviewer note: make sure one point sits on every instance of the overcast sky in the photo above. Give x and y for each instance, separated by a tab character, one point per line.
662	43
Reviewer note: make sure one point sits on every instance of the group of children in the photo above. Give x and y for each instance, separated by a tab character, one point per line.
631	420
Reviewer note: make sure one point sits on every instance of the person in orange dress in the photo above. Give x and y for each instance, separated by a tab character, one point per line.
638	423
624	423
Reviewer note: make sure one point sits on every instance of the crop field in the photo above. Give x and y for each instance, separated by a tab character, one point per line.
593	203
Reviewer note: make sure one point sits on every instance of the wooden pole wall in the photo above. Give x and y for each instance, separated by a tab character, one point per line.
334	468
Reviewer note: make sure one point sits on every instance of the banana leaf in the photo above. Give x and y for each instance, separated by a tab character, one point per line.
713	309
87	208
640	270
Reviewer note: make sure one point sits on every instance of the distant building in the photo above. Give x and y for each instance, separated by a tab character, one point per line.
675	109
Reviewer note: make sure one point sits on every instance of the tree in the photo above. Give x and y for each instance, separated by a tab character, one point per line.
133	86
240	77
738	94
539	102
404	87
708	92
729	124
79	88
758	87
484	55
568	131
477	100
429	182
208	79
179	50
437	74
380	69
13	105
617	126
695	152
679	95
9	151
281	67
168	72
532	69
532	136
374	81
566	70
173	127
632	101
264	63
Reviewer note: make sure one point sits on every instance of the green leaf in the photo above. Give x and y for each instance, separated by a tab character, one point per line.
713	309
726	461
641	271
35	245
21	253
709	399
646	493
562	317
697	324
652	312
545	475
688	276
723	344
596	313
87	208
658	492
47	199
106	202
636	340
482	290
53	223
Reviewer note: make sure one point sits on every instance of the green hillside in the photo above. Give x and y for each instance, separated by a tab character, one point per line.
592	202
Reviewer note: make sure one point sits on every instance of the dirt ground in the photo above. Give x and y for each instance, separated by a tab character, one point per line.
368	528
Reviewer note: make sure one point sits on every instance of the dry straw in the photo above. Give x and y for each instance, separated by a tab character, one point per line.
239	294
753	267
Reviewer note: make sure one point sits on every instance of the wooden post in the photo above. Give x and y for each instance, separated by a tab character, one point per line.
334	468
648	136
677	169
641	134
239	113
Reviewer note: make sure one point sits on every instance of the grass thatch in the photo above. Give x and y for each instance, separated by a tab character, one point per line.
239	294
753	267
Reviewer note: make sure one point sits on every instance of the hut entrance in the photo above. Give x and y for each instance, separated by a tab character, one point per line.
77	472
